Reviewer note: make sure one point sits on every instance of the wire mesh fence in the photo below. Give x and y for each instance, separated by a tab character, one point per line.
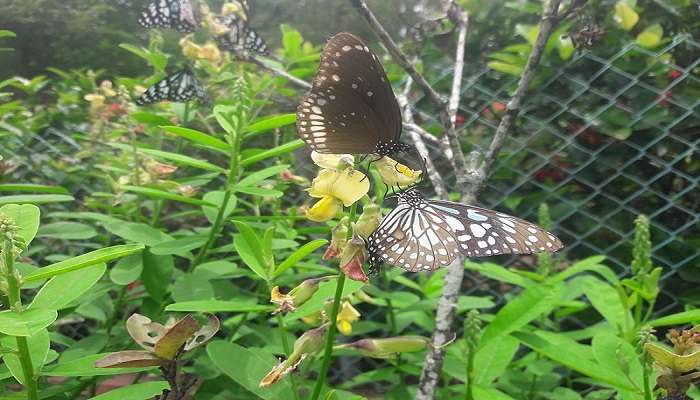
600	140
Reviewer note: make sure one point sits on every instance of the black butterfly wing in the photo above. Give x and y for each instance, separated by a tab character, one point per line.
413	238
179	87
169	14
483	232
240	37
351	106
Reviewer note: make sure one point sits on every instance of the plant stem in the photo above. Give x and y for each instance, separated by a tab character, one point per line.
469	393
328	350
218	222
13	295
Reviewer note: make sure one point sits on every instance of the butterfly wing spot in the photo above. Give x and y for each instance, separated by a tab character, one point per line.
477	230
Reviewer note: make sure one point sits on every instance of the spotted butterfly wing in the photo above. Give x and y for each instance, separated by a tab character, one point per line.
170	14
180	87
351	107
423	235
240	36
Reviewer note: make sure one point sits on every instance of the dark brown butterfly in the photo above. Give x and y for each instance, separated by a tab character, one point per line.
351	108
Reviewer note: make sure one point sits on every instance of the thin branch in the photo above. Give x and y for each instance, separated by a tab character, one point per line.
447	303
418	136
396	53
455	95
284	74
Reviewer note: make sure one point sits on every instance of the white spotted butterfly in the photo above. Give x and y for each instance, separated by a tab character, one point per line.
423	235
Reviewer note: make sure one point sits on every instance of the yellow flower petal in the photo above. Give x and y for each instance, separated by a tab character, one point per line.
344	327
324	209
394	173
332	161
348	185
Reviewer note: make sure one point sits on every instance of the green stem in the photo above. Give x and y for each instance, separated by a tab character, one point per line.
469	393
328	350
13	295
218	222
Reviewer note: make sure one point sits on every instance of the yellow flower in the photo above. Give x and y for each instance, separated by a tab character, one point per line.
106	88
95	100
332	161
335	189
234	8
190	49
297	296
393	173
209	52
346	316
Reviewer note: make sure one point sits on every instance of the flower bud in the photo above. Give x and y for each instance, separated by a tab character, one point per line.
296	297
352	258
339	237
387	347
310	342
161	170
368	221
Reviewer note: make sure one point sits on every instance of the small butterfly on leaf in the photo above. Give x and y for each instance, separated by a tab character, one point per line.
424	235
180	86
170	14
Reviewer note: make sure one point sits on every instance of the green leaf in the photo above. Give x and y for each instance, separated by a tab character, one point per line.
625	16
518	312
528	32
298	255
179	246
592	264
271	122
571	354
619	356
650	38
67	231
250	366
127	270
258	191
138	391
257	176
175	158
62	290
38	344
157	60
274	152
198	137
157	274
506	68
161	194
26	216
35	199
137	232
27	322
192	287
680	318
85	260
85	366
6	33
291	40
216	197
150	118
491	361
214	306
497	272
248	245
606	300
28	187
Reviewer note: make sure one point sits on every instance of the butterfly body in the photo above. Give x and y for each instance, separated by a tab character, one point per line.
351	108
423	235
180	87
170	14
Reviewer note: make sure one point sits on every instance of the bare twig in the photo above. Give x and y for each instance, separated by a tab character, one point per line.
284	74
396	53
432	367
418	136
455	94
